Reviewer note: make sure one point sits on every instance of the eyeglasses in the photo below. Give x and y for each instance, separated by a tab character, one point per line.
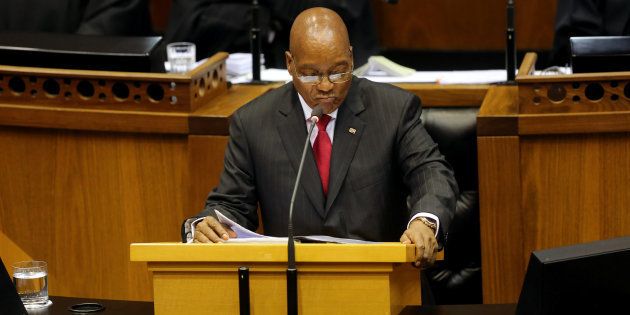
332	77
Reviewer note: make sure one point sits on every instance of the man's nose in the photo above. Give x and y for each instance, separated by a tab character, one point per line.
325	85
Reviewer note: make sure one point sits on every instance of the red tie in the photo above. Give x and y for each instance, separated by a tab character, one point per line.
322	147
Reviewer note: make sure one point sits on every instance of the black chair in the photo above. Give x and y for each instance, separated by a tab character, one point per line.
457	279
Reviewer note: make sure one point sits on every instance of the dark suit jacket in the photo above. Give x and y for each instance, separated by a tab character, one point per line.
587	18
390	162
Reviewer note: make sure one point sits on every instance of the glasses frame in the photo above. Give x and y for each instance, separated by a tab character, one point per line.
320	78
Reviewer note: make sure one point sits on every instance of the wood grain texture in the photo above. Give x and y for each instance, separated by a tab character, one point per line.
574	93
274	252
77	199
97	120
205	163
498	115
11	252
214	119
575	188
159	10
528	65
115	90
333	278
463	25
501	218
574	123
436	95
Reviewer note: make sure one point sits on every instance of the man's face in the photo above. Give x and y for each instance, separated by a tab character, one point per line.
322	61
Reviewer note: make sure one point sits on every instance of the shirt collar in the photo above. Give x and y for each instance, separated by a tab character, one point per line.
308	110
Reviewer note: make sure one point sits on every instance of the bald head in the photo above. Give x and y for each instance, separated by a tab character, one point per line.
320	48
317	27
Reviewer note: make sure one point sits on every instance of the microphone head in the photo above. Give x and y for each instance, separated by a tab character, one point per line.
317	112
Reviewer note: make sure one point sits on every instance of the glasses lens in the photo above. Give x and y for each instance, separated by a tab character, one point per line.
339	77
309	79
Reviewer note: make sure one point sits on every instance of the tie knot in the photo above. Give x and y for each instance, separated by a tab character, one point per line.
323	122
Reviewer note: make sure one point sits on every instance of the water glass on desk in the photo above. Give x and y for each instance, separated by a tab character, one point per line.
31	282
181	56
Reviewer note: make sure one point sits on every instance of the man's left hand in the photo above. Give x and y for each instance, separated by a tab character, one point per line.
423	237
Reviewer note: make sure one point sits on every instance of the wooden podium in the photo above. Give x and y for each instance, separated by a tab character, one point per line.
333	278
554	169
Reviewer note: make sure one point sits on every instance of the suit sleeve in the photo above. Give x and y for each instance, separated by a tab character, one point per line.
235	196
426	173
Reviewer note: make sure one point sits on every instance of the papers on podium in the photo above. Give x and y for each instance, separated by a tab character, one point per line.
382	66
244	235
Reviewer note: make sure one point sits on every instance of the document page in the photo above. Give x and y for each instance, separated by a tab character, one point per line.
244	235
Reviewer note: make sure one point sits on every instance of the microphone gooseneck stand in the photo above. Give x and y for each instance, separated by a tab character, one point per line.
510	49
255	45
292	272
243	291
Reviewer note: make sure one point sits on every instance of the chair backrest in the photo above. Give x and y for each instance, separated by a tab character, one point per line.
458	279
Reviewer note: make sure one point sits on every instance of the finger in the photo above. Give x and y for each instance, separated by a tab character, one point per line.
405	239
200	238
430	246
217	227
208	232
230	232
419	241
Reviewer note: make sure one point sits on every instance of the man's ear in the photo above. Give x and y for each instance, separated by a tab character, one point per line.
288	58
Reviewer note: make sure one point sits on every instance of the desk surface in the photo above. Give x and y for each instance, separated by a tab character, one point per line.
472	309
61	304
60	307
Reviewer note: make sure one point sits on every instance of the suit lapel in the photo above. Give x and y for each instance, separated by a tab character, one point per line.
291	127
348	130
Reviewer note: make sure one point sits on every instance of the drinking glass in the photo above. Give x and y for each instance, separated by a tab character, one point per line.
181	56
31	282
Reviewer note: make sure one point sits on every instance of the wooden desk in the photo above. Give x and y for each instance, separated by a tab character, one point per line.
115	307
553	170
82	177
333	278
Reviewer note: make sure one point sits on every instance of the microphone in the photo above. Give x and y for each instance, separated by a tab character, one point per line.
292	297
510	50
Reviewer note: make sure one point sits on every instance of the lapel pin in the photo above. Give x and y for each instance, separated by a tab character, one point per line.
352	130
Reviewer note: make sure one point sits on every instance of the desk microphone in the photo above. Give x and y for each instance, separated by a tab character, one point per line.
292	298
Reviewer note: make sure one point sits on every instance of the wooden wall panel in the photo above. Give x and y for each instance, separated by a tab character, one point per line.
500	217
10	252
205	159
78	199
463	25
160	10
575	189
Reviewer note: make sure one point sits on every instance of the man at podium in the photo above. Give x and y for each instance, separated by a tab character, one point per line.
372	171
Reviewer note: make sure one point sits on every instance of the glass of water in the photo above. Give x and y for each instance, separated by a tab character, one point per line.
31	282
181	56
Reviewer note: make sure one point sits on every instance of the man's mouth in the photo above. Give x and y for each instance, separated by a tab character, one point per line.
325	99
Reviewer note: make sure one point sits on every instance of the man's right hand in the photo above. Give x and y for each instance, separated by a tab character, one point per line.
209	230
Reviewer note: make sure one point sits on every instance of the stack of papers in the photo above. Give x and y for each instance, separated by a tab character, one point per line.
239	64
381	66
244	235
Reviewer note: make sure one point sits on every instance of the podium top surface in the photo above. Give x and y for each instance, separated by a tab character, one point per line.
272	252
